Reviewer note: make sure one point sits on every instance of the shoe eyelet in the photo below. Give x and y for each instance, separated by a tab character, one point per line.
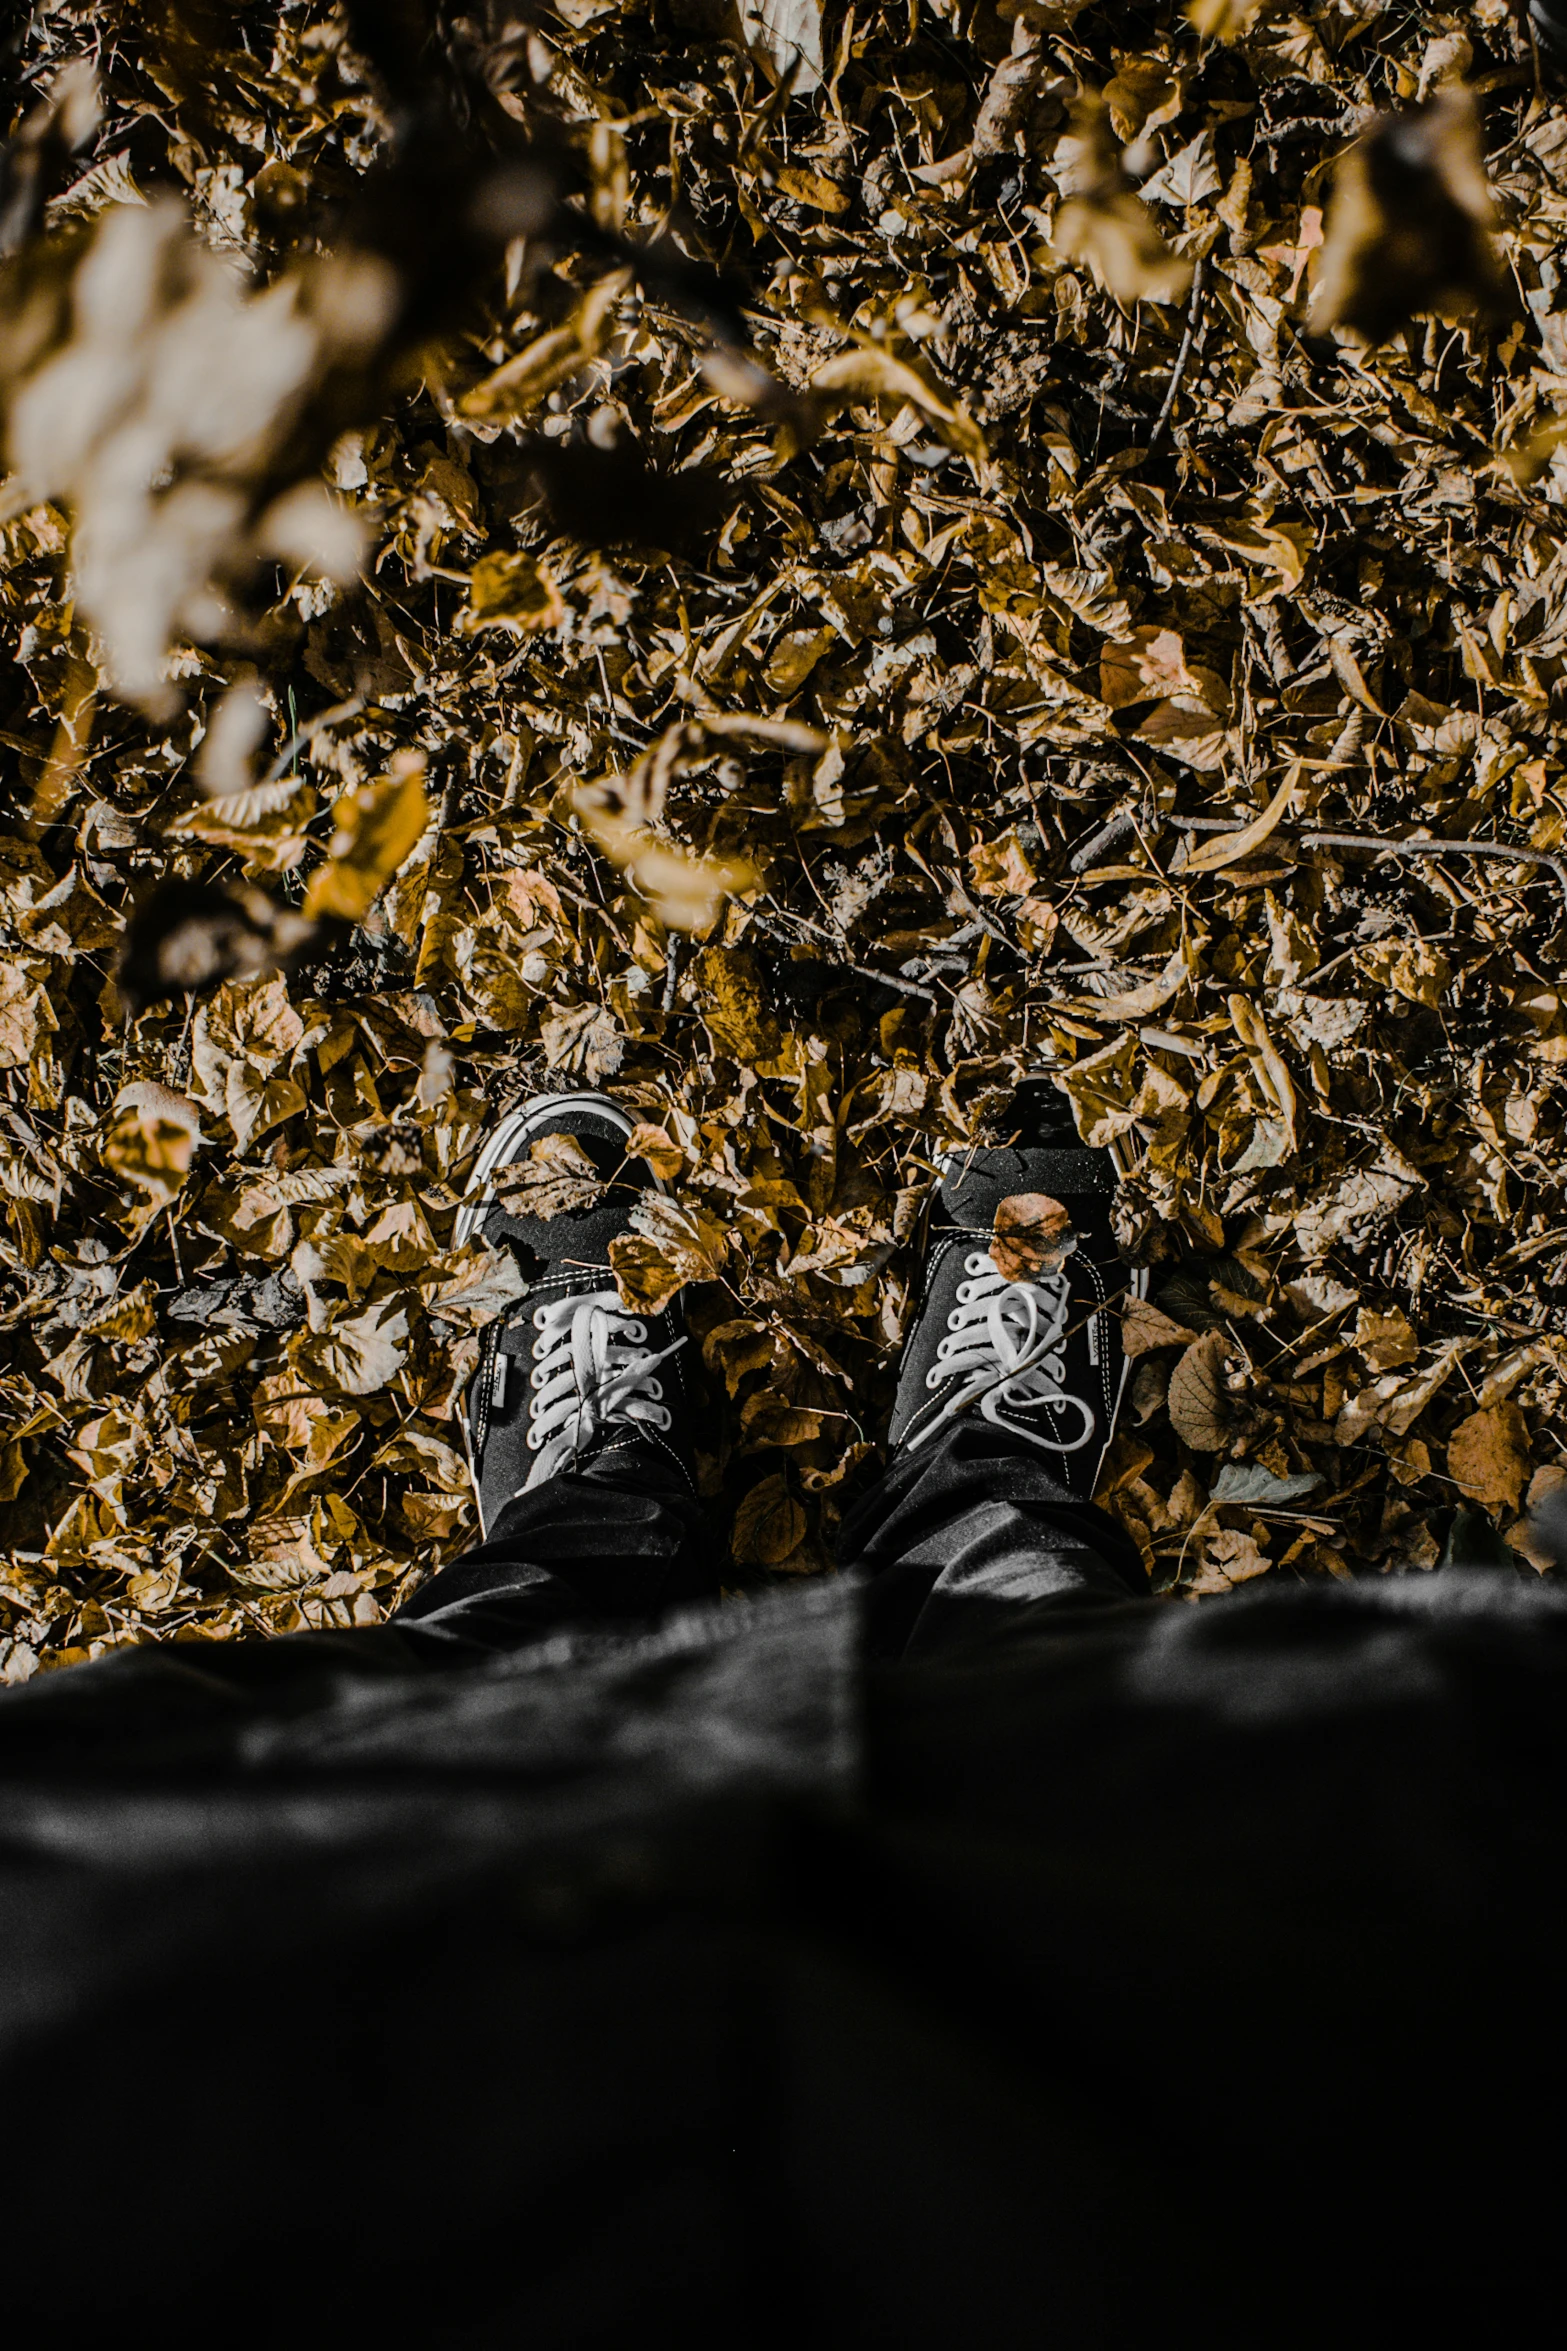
655	1388
977	1264
539	1314
934	1377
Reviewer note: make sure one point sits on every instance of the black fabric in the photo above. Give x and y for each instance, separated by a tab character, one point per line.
974	1526
618	1541
961	1949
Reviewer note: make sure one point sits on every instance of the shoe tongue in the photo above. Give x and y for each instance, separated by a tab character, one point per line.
975	1187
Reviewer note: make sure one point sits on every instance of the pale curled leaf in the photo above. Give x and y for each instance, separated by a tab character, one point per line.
1199	1399
1230	848
556	1179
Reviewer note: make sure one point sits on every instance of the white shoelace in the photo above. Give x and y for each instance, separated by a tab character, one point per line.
593	1367
1002	1347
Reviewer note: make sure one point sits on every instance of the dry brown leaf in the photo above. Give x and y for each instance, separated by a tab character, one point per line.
1488	1456
1223	849
1120	240
1002	868
556	1179
1033	1233
512	592
868	373
672	1245
1144	1327
684	890
1229	1557
769	1525
1223	20
517	387
1199	1399
654	1144
1386	1340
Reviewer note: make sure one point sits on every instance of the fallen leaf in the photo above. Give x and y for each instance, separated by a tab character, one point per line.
1033	1233
1229	1557
512	592
376	826
1488	1456
1409	226
657	1147
1386	1340
1144	1327
670	1246
769	1525
1198	1398
1222	849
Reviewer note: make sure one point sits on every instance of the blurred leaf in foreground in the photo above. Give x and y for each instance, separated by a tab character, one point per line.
1409	230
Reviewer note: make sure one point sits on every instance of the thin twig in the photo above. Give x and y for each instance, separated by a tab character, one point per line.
1501	849
1119	825
1182	356
1374	845
864	971
886	979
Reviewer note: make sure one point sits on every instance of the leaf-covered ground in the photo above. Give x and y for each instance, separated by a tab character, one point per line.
865	585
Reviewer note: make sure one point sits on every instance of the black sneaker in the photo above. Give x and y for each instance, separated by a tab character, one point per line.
568	1374
1549	21
1017	1322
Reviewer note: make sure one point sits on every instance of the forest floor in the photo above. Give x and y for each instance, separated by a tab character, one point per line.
831	593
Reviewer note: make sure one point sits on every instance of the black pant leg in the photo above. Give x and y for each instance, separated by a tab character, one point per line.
962	1534
614	1544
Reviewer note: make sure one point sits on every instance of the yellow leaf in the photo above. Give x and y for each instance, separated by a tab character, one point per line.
1001	868
550	359
1117	235
377	826
769	1525
1488	1456
654	1144
1222	20
1150	663
808	187
672	1245
869	373
684	889
1229	848
511	592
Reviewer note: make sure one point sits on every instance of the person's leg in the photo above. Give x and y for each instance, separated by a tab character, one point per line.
1007	1399
971	1530
616	1542
578	1414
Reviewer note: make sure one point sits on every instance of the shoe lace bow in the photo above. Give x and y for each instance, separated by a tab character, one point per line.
1003	1347
592	1369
